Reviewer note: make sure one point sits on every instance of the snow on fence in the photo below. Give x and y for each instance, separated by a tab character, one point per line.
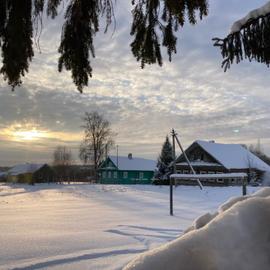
209	176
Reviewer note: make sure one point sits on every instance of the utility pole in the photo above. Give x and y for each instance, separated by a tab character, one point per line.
117	156
174	170
244	186
187	160
106	151
106	160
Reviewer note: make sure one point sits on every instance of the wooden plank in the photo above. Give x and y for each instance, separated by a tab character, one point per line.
209	176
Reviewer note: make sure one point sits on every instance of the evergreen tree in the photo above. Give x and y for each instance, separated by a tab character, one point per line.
166	155
257	151
164	159
155	23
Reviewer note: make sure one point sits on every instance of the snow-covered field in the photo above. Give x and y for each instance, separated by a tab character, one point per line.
94	226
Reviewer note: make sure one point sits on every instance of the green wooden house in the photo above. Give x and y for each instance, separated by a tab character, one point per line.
126	170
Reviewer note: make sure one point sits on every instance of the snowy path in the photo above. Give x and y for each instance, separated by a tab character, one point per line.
94	226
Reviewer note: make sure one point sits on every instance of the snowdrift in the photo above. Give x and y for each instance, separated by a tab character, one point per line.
237	237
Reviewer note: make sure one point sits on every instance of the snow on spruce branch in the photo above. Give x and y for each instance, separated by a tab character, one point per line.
249	38
252	15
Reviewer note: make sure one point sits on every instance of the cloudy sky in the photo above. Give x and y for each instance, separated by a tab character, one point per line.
191	94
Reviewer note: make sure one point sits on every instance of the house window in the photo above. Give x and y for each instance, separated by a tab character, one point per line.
109	174
114	174
125	174
104	174
141	175
220	181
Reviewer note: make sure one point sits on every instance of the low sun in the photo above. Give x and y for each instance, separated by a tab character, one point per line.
25	132
30	132
28	135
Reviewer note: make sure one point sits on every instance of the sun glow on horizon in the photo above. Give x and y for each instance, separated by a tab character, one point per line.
25	132
29	135
30	131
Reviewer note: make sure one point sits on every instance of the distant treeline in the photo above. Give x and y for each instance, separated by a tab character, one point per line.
258	151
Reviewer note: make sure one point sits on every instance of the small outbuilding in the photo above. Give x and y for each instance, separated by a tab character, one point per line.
30	173
208	157
126	170
3	176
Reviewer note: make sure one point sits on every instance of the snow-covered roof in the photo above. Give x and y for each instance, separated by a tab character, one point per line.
134	164
233	156
25	168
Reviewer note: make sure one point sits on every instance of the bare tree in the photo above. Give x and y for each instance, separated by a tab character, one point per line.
257	150
97	141
62	161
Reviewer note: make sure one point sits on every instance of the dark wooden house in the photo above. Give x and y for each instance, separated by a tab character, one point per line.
208	157
30	173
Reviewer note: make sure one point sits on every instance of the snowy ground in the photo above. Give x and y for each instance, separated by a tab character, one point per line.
94	226
236	237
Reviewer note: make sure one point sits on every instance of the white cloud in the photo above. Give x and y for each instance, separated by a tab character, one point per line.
191	94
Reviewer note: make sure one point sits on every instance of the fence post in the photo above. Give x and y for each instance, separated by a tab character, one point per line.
244	186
